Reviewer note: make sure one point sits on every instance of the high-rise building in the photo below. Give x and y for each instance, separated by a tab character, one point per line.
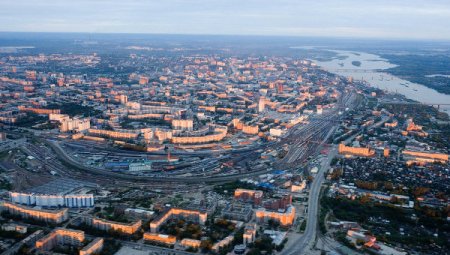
280	87
261	104
123	99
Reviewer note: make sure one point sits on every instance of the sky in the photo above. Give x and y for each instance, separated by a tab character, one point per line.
383	19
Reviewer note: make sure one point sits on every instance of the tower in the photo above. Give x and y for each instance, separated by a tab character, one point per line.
261	104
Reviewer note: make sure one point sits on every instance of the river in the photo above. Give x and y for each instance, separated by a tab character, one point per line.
369	67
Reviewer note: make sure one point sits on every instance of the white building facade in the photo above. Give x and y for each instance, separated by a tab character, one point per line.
47	200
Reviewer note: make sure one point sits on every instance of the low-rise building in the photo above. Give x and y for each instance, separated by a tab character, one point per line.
238	211
60	236
355	151
160	238
187	242
105	225
222	243
12	227
284	218
246	195
249	234
192	215
54	216
139	213
93	247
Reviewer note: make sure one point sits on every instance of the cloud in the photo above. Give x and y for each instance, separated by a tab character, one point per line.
375	18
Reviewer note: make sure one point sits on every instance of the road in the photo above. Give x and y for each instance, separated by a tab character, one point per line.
302	244
62	155
305	241
152	249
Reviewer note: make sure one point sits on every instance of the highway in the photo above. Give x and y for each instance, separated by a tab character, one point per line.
305	241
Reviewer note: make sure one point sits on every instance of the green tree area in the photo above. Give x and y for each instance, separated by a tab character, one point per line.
302	226
12	235
417	68
220	229
73	109
109	213
5	185
69	250
229	188
182	229
421	227
110	247
30	120
423	115
262	245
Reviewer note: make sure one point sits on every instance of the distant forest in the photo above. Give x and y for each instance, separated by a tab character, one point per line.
416	68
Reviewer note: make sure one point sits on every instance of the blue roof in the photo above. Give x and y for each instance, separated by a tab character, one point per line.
117	164
266	185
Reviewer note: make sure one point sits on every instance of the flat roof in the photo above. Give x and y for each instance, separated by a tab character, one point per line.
59	186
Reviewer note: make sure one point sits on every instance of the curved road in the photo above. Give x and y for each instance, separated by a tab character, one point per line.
62	155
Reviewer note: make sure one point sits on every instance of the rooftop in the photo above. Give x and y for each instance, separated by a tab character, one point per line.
59	186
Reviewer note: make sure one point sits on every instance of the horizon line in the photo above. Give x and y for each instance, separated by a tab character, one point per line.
240	35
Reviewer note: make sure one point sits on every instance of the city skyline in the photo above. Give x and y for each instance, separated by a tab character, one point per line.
355	19
190	127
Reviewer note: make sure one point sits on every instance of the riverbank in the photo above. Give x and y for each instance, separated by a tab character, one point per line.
432	71
373	69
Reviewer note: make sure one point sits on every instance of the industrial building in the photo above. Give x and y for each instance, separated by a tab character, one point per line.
57	193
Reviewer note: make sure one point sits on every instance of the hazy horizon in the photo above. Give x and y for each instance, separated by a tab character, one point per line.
380	19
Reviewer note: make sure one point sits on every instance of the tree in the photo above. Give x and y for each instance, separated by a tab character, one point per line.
364	199
420	191
206	245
